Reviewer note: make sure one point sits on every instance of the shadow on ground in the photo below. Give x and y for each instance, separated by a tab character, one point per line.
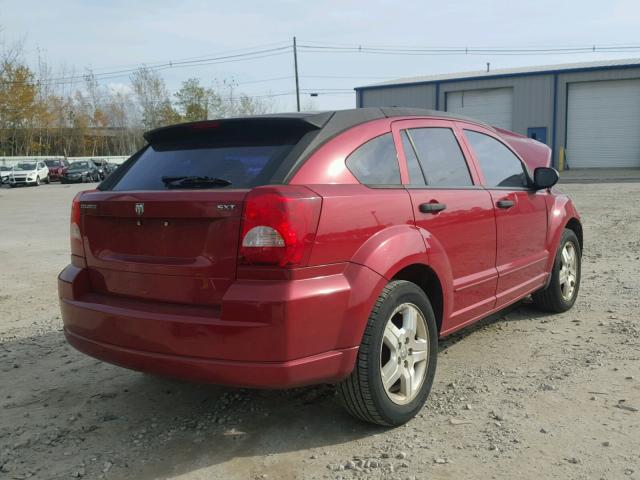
59	404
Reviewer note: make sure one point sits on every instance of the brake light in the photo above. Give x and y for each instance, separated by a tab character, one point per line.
279	226
77	247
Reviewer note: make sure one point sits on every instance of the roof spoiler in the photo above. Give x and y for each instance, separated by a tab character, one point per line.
262	126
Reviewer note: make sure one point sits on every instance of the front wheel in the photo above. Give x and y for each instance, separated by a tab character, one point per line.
37	181
562	291
397	358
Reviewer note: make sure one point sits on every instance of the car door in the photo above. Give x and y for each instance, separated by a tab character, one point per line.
454	213
521	215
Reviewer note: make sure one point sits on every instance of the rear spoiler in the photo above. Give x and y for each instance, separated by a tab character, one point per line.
534	153
252	129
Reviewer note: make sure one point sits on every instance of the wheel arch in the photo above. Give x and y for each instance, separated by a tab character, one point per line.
427	279
574	225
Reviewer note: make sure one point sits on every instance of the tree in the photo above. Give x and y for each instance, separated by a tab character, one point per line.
195	101
153	99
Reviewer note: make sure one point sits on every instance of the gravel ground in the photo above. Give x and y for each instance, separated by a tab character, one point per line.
520	394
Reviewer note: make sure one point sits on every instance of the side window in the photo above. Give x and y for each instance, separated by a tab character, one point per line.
501	168
375	162
440	156
416	176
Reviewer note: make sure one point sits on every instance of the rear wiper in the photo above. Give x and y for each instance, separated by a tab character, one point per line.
194	181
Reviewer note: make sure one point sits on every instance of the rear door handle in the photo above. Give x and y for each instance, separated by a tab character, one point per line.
506	203
431	207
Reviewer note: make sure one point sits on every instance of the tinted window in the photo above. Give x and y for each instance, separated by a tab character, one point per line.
415	172
375	162
501	168
79	166
243	166
442	160
52	163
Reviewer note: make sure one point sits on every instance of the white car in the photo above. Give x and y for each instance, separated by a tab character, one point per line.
29	173
4	174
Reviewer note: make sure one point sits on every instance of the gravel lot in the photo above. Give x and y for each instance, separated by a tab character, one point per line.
519	395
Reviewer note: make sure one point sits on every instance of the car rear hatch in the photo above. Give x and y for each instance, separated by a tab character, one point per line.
165	227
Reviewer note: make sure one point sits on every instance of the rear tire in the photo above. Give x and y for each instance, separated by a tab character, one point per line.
396	364
47	180
562	291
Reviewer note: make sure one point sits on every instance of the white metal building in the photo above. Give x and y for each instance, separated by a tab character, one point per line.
590	110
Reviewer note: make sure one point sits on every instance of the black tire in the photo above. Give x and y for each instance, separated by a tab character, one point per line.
37	181
47	180
550	299
363	393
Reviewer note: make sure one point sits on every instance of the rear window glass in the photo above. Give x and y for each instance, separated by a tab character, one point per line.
242	166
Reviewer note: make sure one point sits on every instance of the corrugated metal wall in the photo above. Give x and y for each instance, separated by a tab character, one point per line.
418	96
533	97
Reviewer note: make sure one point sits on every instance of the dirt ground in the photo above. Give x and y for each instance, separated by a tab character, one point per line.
521	395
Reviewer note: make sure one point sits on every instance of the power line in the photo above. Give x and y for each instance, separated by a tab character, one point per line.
317	48
254	55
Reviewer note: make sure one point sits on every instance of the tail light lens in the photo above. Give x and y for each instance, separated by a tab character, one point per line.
279	226
77	247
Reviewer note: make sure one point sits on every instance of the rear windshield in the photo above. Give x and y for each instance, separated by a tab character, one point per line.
241	166
79	165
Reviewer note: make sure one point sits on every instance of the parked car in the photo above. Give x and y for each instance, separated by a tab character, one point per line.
29	173
111	167
4	174
81	172
103	168
333	247
56	168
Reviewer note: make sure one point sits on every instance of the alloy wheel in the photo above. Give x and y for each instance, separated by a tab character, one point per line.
405	353
568	271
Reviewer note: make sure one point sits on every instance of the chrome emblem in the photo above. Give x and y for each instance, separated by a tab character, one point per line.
226	207
139	209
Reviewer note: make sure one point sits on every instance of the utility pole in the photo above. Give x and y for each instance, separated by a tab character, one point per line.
295	66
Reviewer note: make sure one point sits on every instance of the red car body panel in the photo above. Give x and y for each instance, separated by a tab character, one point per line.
172	299
55	173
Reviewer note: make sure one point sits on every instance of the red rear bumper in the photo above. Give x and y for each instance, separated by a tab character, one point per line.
270	334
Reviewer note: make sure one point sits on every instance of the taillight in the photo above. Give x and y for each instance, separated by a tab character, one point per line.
77	247
279	226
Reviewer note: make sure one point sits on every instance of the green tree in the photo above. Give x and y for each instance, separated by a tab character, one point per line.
195	101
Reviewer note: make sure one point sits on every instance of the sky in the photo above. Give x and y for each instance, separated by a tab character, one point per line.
114	35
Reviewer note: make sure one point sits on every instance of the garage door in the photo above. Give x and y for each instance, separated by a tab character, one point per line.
490	106
603	124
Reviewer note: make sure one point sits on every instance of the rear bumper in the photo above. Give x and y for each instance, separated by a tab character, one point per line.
266	334
325	367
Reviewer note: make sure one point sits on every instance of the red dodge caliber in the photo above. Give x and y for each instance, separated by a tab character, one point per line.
336	247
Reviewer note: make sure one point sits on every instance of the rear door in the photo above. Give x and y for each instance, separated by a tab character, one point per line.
455	212
521	215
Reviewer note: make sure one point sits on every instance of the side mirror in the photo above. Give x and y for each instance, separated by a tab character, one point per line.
545	177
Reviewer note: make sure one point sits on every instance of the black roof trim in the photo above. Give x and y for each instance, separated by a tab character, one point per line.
329	123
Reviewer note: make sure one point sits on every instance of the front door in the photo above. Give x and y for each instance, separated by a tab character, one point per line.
521	216
454	213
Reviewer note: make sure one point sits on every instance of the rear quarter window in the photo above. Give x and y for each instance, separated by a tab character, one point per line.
375	162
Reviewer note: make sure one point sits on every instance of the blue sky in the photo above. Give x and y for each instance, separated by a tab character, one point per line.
108	35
